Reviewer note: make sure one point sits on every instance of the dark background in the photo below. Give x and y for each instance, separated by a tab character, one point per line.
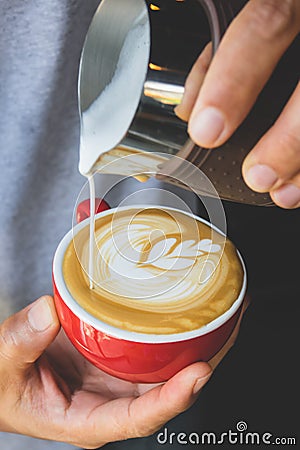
258	381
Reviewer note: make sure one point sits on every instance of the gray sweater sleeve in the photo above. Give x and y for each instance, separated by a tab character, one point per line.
40	45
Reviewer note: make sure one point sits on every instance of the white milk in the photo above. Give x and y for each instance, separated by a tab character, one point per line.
107	120
92	243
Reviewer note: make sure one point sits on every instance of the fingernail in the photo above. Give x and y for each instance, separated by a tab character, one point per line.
182	112
40	315
261	178
177	109
200	383
178	112
207	126
288	196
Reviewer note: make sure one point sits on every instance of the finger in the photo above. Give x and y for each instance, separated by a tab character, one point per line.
193	83
215	361
24	336
136	417
288	196
244	61
275	160
159	405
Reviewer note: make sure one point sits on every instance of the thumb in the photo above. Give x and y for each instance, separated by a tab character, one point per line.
159	405
25	335
144	415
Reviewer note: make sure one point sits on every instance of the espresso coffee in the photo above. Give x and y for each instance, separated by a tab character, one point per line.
156	271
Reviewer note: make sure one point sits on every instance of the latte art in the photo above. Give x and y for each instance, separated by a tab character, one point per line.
136	260
155	271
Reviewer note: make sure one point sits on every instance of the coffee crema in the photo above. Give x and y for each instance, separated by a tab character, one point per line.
156	271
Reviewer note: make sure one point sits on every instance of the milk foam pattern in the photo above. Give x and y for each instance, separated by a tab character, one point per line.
156	270
153	259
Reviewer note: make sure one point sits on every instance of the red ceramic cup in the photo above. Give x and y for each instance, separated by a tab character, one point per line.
134	356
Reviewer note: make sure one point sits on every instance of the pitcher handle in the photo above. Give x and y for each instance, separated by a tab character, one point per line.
219	15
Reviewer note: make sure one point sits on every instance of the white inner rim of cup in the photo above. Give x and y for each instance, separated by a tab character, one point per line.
125	334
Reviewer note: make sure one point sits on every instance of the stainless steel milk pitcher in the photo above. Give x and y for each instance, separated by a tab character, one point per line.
157	43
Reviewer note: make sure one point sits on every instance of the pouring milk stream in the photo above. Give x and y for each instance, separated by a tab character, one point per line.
98	140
